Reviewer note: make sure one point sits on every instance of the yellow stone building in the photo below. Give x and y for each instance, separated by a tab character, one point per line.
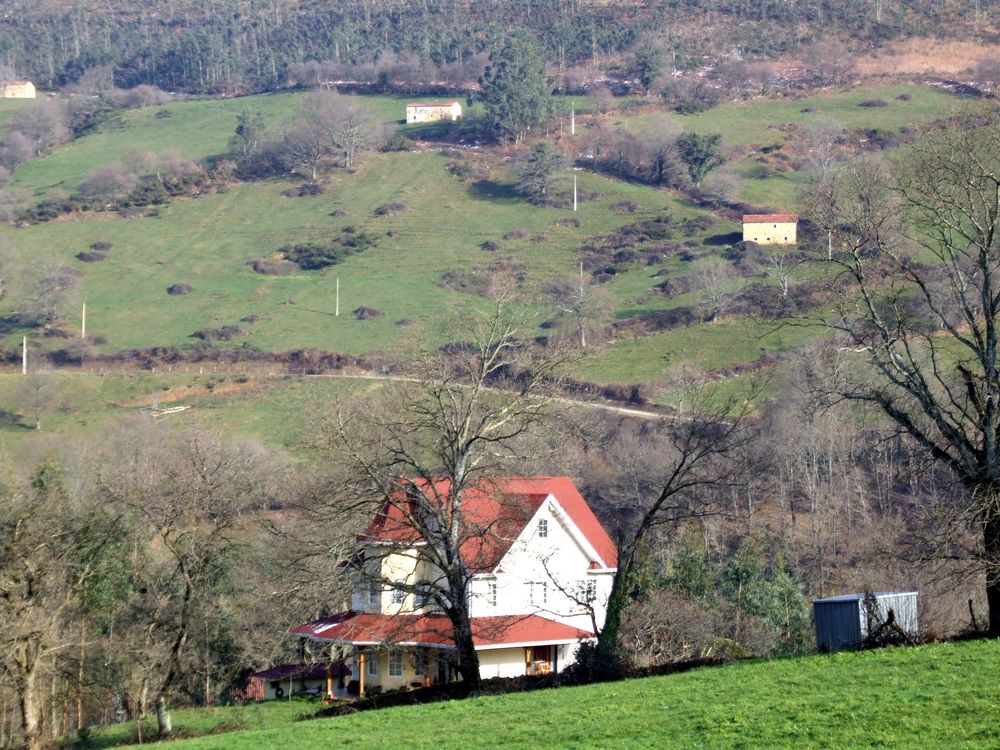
770	229
17	90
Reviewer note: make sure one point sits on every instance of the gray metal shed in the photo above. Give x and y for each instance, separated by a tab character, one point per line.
841	621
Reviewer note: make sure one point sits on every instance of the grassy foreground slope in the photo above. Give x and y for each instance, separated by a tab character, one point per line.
943	695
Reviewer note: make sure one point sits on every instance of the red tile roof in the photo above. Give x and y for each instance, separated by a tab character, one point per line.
366	629
494	515
431	104
770	218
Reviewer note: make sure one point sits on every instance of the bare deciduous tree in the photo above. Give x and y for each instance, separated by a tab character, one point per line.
188	500
922	247
49	542
587	304
669	473
451	433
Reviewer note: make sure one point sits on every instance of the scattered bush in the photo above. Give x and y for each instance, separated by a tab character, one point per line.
251	318
179	289
101	247
567	221
269	267
367	313
313	256
389	209
397	142
489	245
517	234
625	207
904	98
461	170
90	257
225	333
304	190
873	103
338	213
405	322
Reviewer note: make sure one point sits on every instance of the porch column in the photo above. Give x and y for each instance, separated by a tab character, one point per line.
361	669
329	679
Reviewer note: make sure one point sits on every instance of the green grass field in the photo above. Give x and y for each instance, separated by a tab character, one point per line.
936	696
207	241
276	410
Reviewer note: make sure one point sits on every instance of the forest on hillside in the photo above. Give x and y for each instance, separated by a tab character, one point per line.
242	46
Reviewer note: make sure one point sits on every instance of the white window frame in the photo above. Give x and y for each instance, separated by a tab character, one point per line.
398	595
543	528
371	663
491	593
396	668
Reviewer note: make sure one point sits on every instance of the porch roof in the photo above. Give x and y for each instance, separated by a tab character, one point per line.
435	630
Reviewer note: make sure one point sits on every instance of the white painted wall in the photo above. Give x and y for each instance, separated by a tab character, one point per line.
549	568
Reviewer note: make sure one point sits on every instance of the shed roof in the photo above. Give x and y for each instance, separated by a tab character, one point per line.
770	218
859	597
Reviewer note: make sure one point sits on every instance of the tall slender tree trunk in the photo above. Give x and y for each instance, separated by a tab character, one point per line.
991	548
163	722
31	721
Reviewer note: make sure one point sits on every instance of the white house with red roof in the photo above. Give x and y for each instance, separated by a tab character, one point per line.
540	571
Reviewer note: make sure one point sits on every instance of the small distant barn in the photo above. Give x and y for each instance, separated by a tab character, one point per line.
843	622
17	90
288	679
770	229
433	111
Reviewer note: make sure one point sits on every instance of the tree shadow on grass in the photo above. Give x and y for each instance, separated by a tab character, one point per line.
486	190
11	421
718	240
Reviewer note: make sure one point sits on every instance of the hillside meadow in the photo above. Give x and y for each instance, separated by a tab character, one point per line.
206	241
933	696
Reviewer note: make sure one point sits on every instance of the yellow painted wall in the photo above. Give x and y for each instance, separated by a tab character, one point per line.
18	90
770	233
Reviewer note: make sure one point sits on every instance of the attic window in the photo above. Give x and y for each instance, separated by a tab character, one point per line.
543	529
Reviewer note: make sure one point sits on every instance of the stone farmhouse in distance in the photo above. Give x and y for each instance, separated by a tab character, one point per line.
433	111
770	229
17	90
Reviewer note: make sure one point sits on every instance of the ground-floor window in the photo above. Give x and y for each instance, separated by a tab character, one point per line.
373	664
395	663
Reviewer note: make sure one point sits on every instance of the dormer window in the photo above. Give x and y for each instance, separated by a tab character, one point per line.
398	596
543	529
491	593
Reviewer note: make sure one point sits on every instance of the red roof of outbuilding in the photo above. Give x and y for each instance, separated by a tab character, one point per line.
770	218
494	514
365	629
432	104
